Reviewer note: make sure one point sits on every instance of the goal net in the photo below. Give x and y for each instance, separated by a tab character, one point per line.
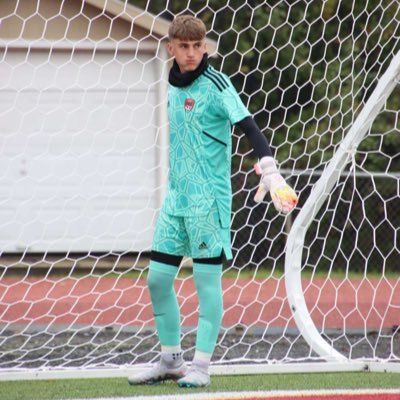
84	144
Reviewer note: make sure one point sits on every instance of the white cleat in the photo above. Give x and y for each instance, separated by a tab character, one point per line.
159	373
195	378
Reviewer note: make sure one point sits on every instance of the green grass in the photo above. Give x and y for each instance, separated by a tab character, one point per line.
58	389
261	272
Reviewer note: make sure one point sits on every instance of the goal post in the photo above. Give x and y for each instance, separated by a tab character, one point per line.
84	144
295	242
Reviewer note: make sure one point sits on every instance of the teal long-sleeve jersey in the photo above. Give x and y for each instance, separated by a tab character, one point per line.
201	116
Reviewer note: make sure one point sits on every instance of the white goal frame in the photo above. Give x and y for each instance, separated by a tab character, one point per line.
320	192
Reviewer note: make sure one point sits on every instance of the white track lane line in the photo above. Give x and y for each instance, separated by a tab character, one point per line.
243	395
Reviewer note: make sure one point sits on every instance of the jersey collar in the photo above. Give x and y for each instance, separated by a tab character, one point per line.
176	78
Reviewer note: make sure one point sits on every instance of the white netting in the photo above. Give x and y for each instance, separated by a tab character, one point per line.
84	135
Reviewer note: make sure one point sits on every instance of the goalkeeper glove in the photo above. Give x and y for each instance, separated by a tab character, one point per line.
282	195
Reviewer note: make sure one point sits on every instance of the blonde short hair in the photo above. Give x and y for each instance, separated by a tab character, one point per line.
187	27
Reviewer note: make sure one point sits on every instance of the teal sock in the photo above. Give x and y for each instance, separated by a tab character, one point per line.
207	278
160	281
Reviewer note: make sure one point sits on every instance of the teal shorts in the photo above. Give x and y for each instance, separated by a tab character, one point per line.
195	237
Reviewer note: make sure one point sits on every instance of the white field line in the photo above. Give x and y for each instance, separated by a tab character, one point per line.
274	394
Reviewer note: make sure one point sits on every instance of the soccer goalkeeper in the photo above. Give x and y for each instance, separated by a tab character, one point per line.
195	217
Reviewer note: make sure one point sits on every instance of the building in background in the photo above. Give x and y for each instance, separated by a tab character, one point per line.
83	127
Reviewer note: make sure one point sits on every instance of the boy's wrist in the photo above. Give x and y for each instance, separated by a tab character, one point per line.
267	168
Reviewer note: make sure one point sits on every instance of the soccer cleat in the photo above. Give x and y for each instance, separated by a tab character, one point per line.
195	378
159	373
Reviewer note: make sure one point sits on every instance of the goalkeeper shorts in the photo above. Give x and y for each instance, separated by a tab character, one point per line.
197	237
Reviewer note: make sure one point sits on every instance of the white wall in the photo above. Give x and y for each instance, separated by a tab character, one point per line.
77	135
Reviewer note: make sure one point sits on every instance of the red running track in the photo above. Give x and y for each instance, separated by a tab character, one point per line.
106	301
377	396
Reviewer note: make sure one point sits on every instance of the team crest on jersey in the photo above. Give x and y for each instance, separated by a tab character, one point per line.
189	104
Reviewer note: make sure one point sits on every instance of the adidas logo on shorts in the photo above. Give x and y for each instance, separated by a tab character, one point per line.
203	246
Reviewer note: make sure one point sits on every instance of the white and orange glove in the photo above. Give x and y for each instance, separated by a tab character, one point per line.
282	195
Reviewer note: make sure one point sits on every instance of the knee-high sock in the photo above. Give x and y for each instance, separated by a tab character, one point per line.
160	281
207	278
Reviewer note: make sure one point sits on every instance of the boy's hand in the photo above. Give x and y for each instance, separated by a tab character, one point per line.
283	196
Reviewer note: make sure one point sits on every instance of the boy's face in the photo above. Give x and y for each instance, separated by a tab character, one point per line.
188	53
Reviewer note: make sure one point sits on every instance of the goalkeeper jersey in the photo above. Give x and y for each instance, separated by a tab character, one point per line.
201	116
